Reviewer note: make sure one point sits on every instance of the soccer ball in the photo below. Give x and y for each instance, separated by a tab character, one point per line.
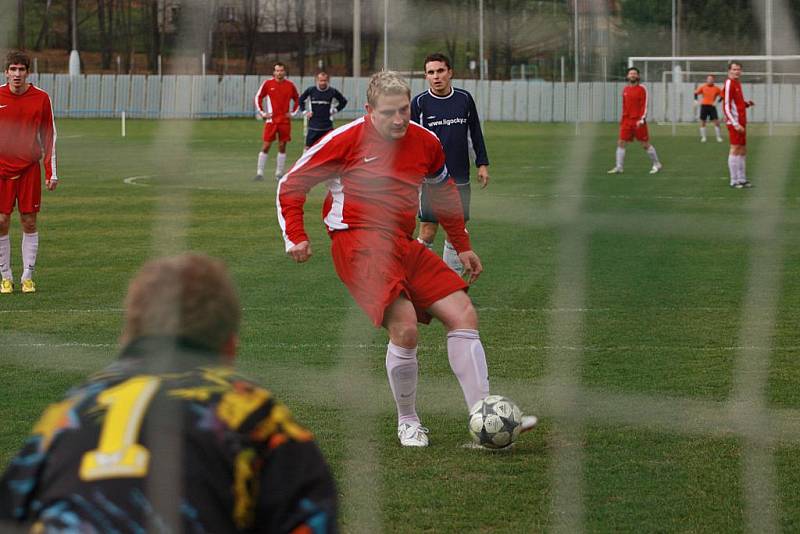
495	422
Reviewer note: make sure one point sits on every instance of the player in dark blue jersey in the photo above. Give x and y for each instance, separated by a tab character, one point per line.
169	438
451	114
321	97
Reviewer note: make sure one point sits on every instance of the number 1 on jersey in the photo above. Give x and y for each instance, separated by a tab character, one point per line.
118	454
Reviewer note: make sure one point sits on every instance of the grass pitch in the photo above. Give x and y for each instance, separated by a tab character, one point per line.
652	322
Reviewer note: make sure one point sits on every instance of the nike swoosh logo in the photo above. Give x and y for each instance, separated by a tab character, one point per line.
431	117
367	160
3	106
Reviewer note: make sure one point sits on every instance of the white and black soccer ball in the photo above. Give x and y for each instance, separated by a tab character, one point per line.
495	422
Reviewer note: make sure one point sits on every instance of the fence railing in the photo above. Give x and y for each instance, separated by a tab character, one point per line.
184	96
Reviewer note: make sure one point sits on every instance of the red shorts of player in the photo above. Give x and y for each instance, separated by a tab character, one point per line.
282	130
737	138
628	131
377	267
25	191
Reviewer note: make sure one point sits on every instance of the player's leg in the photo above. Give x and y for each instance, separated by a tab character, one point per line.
30	249
402	369
742	166
619	159
715	120
702	126
643	135
262	156
6	276
284	136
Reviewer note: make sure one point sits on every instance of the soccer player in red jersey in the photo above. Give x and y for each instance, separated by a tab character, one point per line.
272	103
735	110
708	110
27	135
374	167
633	123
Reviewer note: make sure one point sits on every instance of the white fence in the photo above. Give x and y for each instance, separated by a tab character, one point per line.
168	97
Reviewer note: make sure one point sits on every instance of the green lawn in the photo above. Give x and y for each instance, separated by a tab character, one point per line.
652	322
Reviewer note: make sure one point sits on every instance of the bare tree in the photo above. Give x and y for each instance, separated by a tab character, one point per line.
248	27
105	22
40	39
20	24
300	23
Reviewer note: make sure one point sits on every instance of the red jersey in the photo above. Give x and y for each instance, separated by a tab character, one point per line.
734	106
634	104
373	183
274	97
27	131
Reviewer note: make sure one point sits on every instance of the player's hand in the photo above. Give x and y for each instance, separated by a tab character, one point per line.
308	114
483	175
639	123
750	103
289	114
472	265
739	128
301	252
51	184
266	116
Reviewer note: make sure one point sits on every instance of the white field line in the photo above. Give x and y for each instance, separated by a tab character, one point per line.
134	180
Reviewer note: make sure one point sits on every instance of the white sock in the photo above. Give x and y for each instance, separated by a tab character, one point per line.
620	157
733	168
702	132
716	129
741	166
428	244
652	153
262	162
280	163
5	257
402	369
30	246
450	257
468	362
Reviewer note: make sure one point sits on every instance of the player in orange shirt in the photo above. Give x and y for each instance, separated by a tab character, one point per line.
711	94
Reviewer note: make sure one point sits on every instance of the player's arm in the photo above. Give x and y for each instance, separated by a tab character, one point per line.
296	99
303	99
478	143
297	491
643	110
726	107
47	135
259	100
313	167
19	485
341	101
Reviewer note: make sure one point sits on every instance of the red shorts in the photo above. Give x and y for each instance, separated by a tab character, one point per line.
377	267
282	130
628	131
25	191
737	138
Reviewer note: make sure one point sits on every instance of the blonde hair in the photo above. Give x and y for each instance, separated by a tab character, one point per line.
386	82
190	296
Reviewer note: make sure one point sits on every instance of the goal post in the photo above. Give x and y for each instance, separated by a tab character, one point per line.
679	66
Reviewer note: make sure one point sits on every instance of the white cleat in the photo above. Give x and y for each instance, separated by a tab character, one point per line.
527	423
412	435
656	168
703	139
615	170
719	139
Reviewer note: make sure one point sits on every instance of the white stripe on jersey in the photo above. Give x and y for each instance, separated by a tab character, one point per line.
53	126
645	103
731	113
298	165
334	220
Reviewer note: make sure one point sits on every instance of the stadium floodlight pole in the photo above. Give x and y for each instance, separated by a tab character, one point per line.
356	38
481	62
385	34
74	57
